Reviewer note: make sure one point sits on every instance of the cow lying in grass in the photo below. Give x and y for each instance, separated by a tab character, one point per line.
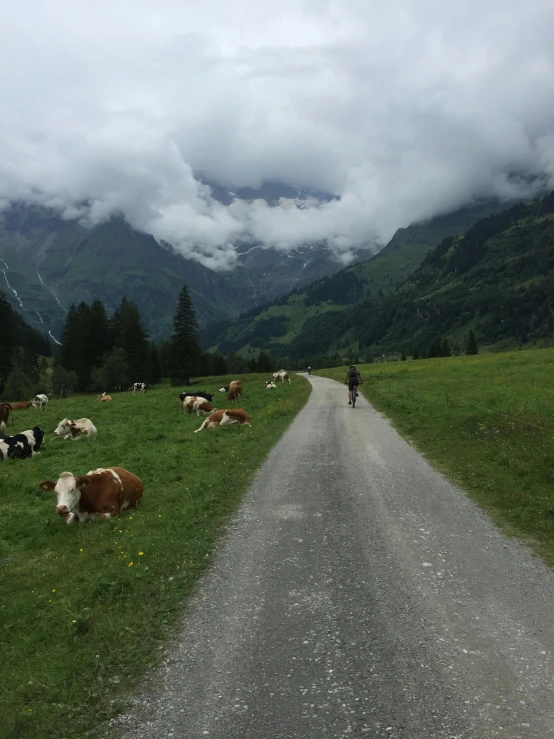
19	446
101	493
226	418
200	405
104	398
269	385
73	429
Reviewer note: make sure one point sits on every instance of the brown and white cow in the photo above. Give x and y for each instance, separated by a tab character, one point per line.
101	493
235	390
73	429
21	405
226	418
192	403
5	410
104	398
281	376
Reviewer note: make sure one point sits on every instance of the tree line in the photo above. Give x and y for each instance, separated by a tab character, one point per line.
21	351
101	352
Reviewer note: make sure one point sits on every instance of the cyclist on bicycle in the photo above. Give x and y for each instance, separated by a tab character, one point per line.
309	371
353	379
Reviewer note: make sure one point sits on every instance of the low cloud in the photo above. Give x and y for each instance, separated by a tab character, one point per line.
404	110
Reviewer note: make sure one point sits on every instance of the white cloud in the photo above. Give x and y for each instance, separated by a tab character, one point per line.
405	109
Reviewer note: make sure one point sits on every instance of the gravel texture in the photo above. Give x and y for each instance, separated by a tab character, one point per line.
357	593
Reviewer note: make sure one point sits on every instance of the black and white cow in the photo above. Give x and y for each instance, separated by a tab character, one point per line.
206	396
19	446
139	387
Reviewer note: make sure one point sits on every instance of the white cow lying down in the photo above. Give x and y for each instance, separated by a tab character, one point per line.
73	429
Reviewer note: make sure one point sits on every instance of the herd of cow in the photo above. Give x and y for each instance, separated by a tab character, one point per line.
104	493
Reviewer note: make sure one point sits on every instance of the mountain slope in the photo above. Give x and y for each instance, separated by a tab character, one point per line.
275	327
47	263
52	263
498	280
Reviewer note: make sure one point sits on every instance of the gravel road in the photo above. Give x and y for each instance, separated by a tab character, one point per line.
357	593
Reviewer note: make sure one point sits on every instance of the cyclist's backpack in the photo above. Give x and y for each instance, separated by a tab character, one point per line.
353	374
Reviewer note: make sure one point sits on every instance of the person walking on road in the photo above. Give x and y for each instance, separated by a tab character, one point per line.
353	379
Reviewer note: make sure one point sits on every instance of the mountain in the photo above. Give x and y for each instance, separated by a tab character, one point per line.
277	325
47	263
497	280
271	192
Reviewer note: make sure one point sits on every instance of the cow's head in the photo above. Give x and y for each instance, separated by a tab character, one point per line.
68	491
64	427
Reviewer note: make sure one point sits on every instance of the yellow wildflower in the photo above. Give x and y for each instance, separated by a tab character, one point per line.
131	564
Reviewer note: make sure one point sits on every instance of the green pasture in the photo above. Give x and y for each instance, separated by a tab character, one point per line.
487	422
86	608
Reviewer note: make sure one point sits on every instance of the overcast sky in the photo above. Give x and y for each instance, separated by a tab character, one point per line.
405	108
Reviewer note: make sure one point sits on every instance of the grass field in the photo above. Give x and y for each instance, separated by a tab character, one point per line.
85	609
487	422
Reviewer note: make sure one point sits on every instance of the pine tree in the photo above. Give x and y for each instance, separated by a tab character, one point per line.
263	363
220	366
185	343
471	345
97	332
403	357
82	360
114	373
155	375
445	349
434	349
129	333
69	335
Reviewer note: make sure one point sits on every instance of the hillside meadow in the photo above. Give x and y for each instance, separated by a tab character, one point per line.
86	609
485	421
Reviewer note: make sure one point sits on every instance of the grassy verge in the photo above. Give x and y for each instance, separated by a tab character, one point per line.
85	609
485	421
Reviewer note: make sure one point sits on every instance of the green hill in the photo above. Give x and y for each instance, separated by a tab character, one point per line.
498	280
285	325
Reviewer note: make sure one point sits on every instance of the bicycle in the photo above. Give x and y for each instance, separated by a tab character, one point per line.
354	395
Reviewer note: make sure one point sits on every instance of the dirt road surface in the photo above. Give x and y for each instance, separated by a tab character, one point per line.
357	594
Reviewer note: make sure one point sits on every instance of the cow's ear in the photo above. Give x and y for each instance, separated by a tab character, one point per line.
82	482
48	485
